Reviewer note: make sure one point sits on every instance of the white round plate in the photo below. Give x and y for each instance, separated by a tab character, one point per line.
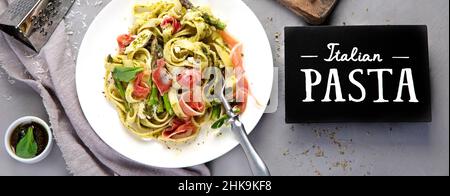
100	40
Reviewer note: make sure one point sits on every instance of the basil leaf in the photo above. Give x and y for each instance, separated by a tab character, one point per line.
121	90
126	74
27	146
219	123
236	110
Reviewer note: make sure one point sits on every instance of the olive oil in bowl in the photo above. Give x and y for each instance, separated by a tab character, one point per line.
28	140
35	142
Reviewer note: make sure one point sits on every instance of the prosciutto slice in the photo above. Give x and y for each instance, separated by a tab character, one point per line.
180	130
162	78
190	107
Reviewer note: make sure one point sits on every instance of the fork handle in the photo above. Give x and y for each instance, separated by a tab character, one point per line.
256	164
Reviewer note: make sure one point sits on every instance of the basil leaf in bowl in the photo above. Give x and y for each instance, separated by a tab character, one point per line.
27	146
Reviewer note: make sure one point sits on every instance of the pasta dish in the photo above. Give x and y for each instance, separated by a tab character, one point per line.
169	69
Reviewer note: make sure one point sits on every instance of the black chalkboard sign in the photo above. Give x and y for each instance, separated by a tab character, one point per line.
357	74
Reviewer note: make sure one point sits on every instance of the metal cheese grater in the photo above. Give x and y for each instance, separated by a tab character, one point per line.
33	21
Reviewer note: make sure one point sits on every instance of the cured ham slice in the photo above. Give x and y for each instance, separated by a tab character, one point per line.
180	130
162	78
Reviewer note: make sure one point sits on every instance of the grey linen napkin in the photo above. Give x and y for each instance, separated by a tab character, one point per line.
52	74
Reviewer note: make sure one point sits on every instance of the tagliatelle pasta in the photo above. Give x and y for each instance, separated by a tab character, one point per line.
167	68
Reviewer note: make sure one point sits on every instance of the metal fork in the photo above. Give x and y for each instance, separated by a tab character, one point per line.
256	164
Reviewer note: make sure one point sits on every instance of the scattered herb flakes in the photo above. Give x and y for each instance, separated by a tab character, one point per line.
319	152
306	152
342	145
344	165
317	133
317	173
268	21
277	35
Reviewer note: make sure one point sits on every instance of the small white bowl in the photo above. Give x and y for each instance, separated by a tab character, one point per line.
25	120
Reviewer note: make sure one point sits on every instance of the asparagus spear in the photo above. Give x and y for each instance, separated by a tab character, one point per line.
167	104
214	21
210	19
187	4
153	97
216	110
